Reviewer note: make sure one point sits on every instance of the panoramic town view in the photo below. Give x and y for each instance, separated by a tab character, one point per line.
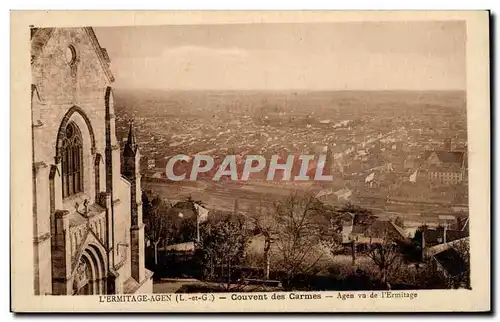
394	131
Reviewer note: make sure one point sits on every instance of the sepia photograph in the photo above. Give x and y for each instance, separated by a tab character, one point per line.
253	161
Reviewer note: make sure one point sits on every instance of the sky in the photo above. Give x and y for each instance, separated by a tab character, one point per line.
427	55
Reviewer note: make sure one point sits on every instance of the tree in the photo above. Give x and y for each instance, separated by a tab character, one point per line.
264	224
331	232
158	226
362	216
463	278
331	237
188	227
299	227
221	249
189	203
187	230
428	277
386	257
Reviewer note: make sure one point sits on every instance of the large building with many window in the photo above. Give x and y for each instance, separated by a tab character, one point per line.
445	167
87	214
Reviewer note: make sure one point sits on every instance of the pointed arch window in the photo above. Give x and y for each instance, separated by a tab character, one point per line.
72	161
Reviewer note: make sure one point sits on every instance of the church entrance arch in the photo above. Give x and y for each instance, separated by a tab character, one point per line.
90	272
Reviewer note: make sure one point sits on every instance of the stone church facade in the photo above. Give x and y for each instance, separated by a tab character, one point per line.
87	214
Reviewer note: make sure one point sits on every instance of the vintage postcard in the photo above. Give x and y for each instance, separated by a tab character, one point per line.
250	161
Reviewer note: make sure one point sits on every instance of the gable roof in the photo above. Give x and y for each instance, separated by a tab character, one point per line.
447	156
40	36
380	229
